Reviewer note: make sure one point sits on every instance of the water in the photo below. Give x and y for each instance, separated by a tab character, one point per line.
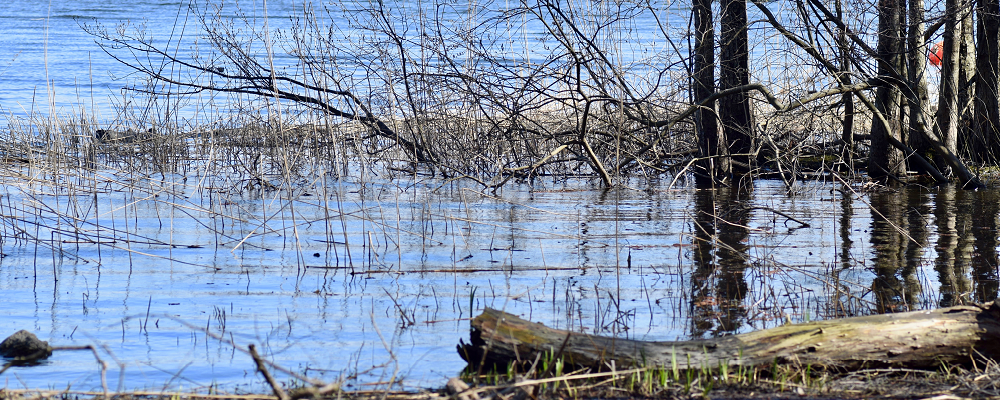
374	280
371	278
53	67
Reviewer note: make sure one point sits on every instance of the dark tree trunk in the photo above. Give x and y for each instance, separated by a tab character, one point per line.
920	110
966	63
847	131
987	60
712	164
737	118
948	112
884	159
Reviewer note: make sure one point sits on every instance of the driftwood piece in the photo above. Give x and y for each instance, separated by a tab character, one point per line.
919	339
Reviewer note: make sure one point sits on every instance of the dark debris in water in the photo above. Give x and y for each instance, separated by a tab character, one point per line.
25	345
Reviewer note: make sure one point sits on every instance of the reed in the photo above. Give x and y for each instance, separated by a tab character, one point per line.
468	96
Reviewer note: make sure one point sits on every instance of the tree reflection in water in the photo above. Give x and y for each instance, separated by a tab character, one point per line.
952	249
962	228
898	236
985	209
720	260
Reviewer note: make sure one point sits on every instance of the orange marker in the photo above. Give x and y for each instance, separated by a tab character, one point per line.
936	54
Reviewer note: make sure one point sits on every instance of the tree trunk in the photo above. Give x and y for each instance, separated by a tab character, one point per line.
920	110
710	137
966	83
884	160
919	339
734	62
947	114
966	64
847	129
987	67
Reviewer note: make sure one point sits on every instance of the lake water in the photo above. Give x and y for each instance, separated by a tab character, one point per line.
53	67
370	276
374	281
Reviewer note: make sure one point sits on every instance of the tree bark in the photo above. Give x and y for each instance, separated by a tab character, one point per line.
847	128
948	112
734	63
987	67
711	138
967	65
884	160
919	339
920	110
967	84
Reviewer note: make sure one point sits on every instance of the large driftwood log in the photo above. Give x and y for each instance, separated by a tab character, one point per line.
919	339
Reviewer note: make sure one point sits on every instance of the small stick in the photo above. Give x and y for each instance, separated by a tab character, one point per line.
278	391
804	225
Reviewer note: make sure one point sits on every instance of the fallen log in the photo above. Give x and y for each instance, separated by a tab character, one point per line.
918	339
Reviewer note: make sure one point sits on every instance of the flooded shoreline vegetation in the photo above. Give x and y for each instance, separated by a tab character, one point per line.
425	254
464	93
346	192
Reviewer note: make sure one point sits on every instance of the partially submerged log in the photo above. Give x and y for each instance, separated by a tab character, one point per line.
919	339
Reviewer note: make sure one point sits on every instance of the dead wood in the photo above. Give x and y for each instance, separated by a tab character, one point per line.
919	339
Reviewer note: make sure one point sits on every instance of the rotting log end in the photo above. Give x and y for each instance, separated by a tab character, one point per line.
480	354
988	345
473	351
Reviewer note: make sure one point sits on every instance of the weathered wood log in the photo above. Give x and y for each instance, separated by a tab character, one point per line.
919	339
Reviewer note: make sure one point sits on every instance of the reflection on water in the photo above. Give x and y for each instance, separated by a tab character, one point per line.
898	235
363	280
986	208
720	259
954	250
955	230
970	220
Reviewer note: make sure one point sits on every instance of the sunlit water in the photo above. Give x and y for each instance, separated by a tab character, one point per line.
374	282
51	66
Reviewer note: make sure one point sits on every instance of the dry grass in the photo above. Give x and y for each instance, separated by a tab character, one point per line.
784	382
